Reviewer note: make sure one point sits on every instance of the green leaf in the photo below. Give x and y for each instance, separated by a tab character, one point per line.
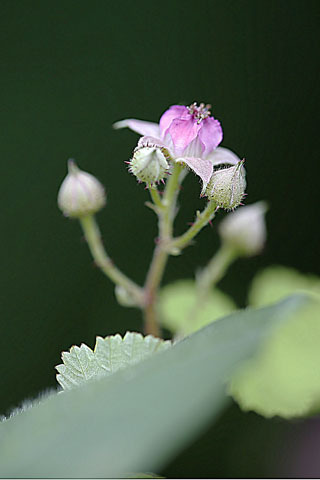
177	307
110	354
277	282
140	417
284	379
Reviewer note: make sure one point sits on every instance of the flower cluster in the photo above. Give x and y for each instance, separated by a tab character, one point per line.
187	135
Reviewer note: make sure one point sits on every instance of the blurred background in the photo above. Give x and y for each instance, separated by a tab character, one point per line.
71	68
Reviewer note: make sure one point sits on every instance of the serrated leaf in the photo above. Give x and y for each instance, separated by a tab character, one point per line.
110	354
140	417
177	307
284	379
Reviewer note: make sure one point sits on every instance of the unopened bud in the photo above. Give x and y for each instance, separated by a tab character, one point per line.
124	298
227	186
245	229
149	164
80	193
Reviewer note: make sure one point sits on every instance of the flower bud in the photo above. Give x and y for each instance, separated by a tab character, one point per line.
149	164
245	229
226	186
80	193
124	298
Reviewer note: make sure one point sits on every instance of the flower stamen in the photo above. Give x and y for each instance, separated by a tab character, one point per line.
199	112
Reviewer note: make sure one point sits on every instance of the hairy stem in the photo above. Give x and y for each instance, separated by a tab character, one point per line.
160	256
208	278
156	197
215	270
93	236
202	220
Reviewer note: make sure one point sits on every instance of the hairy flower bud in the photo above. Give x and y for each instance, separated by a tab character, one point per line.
245	229
149	164
80	193
226	186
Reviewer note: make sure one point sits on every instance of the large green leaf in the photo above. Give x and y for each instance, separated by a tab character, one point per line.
178	312
140	417
284	379
110	354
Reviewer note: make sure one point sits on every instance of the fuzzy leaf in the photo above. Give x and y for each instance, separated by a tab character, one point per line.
110	354
177	302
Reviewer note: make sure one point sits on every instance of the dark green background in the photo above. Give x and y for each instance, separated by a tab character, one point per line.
69	69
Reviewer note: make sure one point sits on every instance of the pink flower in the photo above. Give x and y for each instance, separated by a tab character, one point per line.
189	134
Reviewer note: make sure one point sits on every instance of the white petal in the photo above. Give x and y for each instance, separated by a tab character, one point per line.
223	156
150	141
203	168
139	126
194	149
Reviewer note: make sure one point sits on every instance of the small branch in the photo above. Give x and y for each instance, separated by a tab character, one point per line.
93	236
202	220
207	279
215	270
156	197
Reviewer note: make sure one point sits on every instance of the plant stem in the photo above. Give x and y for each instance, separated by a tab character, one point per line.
202	219
215	270
154	277
207	278
160	256
156	197
93	236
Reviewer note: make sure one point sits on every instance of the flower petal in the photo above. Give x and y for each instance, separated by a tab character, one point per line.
175	111
210	134
223	156
194	149
182	133
139	126
203	168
